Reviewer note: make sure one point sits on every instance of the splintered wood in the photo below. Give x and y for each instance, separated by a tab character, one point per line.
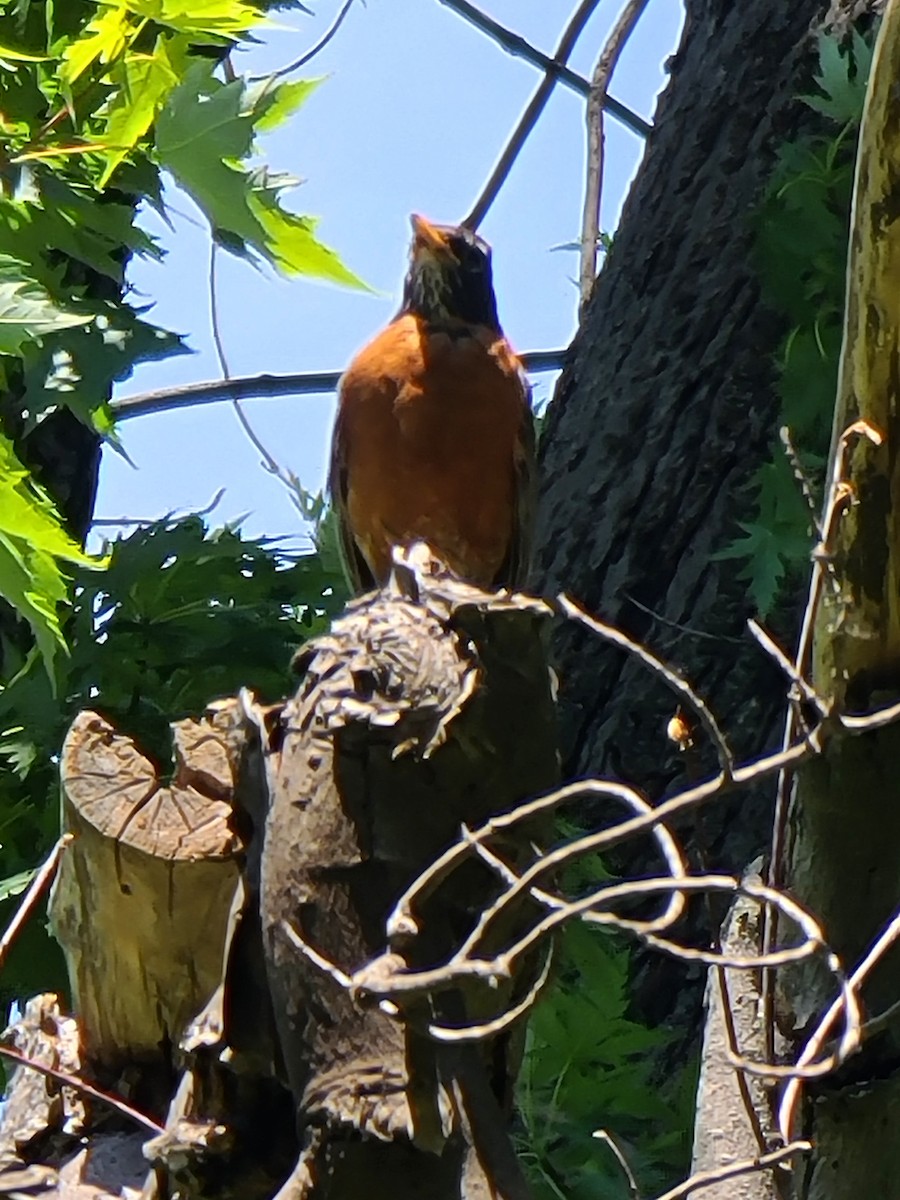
416	716
257	882
144	890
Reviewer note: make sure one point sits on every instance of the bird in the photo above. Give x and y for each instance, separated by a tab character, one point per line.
434	437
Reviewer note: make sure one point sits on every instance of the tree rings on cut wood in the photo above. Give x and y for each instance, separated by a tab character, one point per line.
141	902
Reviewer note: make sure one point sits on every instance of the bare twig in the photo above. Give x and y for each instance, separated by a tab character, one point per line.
603	1135
42	879
253	387
214	299
802	479
748	1166
686	629
837	496
672	680
80	1085
516	45
883	943
287	478
490	1029
310	54
341	978
527	121
606	64
805	690
666	843
173	514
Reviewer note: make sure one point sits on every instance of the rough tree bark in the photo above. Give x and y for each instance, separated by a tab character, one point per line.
664	412
845	825
280	846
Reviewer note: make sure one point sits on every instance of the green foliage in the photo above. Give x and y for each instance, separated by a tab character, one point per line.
99	101
96	101
32	541
802	235
180	616
586	1068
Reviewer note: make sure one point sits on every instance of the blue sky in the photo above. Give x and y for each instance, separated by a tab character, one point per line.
415	109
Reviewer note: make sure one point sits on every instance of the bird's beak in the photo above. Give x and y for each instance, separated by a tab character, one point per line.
427	237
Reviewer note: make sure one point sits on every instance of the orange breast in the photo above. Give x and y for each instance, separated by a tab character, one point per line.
430	430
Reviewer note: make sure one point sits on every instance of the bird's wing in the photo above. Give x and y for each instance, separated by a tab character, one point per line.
518	564
355	566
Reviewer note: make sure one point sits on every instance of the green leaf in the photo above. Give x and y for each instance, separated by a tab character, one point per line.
801	251
15	885
27	313
225	18
104	40
94	230
272	105
289	240
78	369
842	78
32	544
202	133
143	83
11	55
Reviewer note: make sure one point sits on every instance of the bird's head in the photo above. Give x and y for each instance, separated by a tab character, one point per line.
449	276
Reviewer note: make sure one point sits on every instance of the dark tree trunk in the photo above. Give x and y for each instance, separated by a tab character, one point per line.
665	411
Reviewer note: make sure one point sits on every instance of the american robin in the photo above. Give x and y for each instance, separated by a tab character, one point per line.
434	437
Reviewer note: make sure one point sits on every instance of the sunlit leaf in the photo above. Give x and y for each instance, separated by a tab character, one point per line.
143	83
7	52
14	885
221	17
104	40
27	313
202	133
271	104
33	543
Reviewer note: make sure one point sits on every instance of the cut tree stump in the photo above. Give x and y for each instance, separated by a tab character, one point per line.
143	892
421	712
428	707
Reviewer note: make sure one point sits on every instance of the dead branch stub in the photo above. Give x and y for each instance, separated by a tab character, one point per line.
415	717
142	893
427	709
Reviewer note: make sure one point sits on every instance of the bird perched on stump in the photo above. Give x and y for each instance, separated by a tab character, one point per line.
434	439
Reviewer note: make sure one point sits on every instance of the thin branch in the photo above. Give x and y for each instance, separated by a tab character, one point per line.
666	843
672	680
79	1085
42	879
749	1166
603	1135
804	689
606	64
310	54
214	295
172	515
529	117
837	496
264	387
285	477
685	629
490	1029
882	944
517	46
802	479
